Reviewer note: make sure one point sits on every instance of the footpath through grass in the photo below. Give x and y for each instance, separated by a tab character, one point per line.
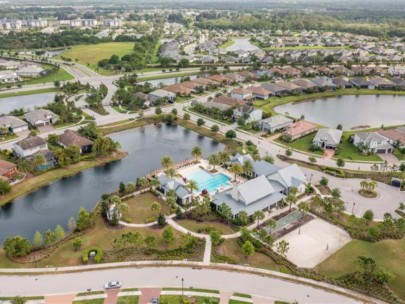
388	254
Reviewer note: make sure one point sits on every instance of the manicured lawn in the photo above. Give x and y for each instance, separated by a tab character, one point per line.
140	208
60	75
301	144
232	249
303	47
90	55
227	44
388	254
237	302
177	299
6	137
399	155
195	226
93	301
128	300
350	152
30	92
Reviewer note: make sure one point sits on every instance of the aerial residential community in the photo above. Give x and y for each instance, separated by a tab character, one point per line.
182	152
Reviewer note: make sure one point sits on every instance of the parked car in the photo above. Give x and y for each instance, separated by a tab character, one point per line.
154	301
113	285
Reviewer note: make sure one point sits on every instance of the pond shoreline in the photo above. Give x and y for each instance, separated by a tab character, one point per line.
47	178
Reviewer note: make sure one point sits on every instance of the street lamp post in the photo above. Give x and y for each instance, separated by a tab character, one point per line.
354	204
182	287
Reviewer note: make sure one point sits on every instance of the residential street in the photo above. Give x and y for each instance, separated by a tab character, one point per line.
270	288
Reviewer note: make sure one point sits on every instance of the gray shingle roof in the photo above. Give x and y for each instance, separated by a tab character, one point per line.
31	142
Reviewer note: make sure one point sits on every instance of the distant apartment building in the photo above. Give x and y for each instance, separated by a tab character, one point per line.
111	23
83	23
35	23
10	24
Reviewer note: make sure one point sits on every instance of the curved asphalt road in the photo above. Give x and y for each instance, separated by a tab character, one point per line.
272	288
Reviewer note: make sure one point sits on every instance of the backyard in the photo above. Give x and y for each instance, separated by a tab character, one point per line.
140	208
204	227
301	144
388	254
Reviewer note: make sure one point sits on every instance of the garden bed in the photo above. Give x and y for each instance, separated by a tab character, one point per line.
368	193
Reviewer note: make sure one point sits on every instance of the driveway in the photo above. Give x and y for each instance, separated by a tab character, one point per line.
387	201
148	293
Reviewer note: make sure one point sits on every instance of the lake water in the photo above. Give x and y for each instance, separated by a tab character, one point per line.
27	102
241	44
54	204
350	111
166	81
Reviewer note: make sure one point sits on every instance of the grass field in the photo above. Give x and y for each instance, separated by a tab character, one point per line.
30	92
195	226
177	299
128	300
60	75
226	44
140	208
350	152
90	55
92	301
388	254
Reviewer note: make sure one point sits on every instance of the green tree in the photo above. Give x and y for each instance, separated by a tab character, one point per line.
196	152
200	122
215	236
247	167
214	128
50	238
167	162
72	224
230	134
336	193
248	249
225	212
192	185
122	188
271	223
214	160
324	181
4	187
38	240
84	220
258	215
291	198
282	248
17	246
77	243
368	215
340	162
161	220
168	235
60	233
158	110
236	169
150	241
186	116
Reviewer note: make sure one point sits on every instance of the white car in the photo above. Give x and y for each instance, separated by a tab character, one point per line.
113	285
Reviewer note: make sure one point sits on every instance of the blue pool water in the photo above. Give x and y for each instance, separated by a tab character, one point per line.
207	181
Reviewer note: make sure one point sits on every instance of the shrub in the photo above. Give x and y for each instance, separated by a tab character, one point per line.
97	258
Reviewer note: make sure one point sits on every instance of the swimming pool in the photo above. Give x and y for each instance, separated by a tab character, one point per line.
206	180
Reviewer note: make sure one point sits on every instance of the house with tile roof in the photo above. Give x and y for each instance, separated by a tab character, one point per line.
327	138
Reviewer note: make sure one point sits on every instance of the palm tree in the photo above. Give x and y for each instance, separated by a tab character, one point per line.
271	224
192	185
171	172
214	160
38	160
236	169
243	217
247	167
224	157
292	197
196	152
167	162
363	184
154	183
258	215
